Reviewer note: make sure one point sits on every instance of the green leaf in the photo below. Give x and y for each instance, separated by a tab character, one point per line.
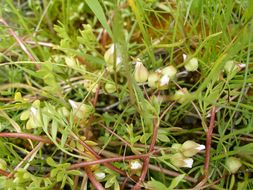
163	137
99	13
176	181
54	129
51	162
25	115
155	185
87	37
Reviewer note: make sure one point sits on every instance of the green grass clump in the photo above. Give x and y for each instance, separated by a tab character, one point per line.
126	94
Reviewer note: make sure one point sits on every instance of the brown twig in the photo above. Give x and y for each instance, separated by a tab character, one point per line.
19	41
146	160
26	136
107	160
93	180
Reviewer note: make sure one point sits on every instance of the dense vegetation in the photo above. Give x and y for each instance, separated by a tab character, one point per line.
137	94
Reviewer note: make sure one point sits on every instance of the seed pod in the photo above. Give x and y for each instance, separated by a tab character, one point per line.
181	95
140	72
180	161
192	65
153	79
109	57
81	110
170	71
110	87
233	164
190	148
230	66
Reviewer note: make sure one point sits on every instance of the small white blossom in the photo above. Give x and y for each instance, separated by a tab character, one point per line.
164	80
135	165
73	104
201	147
188	162
34	111
184	56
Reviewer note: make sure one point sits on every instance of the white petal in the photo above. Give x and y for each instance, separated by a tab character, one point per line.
34	110
188	162
201	147
184	56
135	165
118	60
164	80
73	104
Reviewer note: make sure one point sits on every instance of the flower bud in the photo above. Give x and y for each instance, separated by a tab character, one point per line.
233	164
190	148
176	147
81	110
180	161
109	57
153	79
110	87
140	72
230	66
99	175
170	71
181	95
192	65
3	164
70	61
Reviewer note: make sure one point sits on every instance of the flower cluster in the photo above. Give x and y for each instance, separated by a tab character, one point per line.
183	153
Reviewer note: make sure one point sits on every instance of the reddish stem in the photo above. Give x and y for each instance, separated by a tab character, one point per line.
102	161
93	180
209	141
3	172
99	157
26	136
116	135
146	160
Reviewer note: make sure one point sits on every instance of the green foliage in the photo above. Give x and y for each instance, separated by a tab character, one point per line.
82	92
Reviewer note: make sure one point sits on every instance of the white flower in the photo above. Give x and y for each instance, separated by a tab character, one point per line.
135	165
73	104
164	80
34	111
188	162
184	56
